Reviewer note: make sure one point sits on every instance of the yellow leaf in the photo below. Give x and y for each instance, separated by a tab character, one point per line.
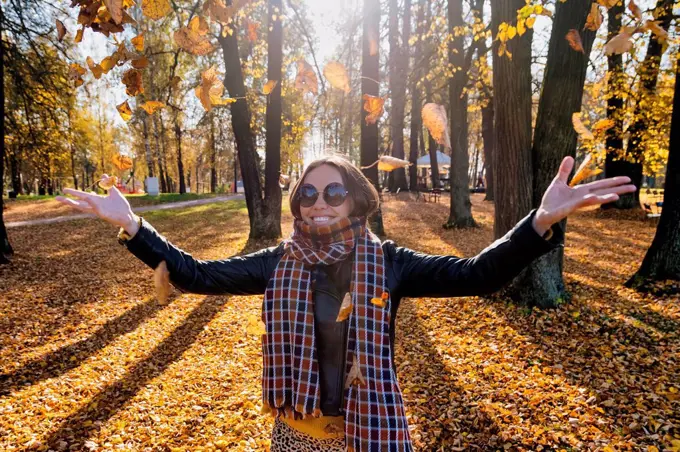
512	32
530	22
192	41
122	162
306	80
345	308
156	9
124	111
138	42
585	170
336	74
655	27
603	124
374	106
106	183
162	282
151	106
199	25
434	118
582	130
521	29
209	92
594	19
269	86
255	325
61	30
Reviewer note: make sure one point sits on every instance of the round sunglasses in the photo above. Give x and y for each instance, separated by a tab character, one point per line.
334	194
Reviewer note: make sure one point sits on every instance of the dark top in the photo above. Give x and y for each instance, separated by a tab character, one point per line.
408	274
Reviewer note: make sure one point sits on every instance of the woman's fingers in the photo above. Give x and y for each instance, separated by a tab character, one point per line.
618	189
81	194
605	183
83	206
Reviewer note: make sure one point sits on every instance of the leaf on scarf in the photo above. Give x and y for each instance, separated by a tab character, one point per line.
587	169
306	80
582	130
161	279
61	30
434	118
380	302
255	325
345	308
107	182
374	106
574	40
354	376
336	74
594	19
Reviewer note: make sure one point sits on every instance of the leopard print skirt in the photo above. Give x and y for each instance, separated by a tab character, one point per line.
287	439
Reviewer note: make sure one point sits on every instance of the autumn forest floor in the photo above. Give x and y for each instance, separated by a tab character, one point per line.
89	360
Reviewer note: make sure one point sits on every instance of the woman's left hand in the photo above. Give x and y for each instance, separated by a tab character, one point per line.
560	200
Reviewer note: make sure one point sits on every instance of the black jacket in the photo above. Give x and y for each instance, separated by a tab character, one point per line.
409	274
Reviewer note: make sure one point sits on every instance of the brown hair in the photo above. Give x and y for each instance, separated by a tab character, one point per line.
364	196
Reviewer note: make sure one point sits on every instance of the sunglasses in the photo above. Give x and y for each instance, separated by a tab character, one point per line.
334	194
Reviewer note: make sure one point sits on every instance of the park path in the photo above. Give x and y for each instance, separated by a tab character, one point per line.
170	205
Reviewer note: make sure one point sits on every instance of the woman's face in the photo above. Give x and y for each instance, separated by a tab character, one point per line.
321	213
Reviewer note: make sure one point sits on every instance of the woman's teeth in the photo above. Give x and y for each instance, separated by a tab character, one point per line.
321	219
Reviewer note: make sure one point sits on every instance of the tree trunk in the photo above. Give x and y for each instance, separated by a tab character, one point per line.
370	71
643	116
260	227
5	247
213	155
272	164
169	183
512	118
662	260
180	164
489	144
147	146
15	173
460	210
416	103
161	172
541	284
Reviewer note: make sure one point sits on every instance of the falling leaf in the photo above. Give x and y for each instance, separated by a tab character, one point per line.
156	9
574	40
79	35
388	163
620	43
306	80
608	3
161	279
61	30
76	73
582	130
199	25
269	86
122	162
217	10
210	91
96	69
151	106
434	118
140	63
193	41
603	124
657	29
336	74
125	111
374	106
132	80
107	182
138	42
354	376
585	170
635	10
345	308
252	28
108	63
115	8
594	18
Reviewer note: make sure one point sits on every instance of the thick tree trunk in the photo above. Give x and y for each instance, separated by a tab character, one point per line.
213	155
512	119
180	164
161	172
416	103
5	247
15	172
147	146
272	164
489	145
662	260
370	70
541	284
169	183
460	211
643	116
260	227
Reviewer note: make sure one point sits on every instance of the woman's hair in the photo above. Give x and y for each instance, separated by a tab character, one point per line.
364	196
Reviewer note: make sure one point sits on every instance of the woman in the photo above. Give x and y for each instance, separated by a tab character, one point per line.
331	294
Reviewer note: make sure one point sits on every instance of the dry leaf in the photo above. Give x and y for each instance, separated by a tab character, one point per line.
336	74
125	111
585	170
635	10
138	42
374	106
594	18
132	80
252	28
608	3
582	130
574	40
269	86
140	63
199	25
193	41
602	125
620	43
306	80
76	73
210	91
96	69
115	8
79	35
107	182
122	162
151	106
434	118
217	10
657	29
388	163
156	9
161	279
61	30
354	376
345	308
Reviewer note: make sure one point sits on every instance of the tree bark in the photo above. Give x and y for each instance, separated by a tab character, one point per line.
147	146
5	247
161	172
512	118
460	209
662	260
180	164
416	103
541	284
370	71
213	155
489	146
272	164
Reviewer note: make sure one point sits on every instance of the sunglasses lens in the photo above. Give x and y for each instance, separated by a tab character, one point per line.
308	195
335	194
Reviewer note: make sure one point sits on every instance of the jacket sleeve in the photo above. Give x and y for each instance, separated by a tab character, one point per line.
241	275
424	275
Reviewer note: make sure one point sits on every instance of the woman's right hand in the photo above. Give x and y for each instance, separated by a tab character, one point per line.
113	208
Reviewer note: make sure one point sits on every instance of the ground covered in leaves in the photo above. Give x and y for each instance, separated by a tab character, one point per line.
89	360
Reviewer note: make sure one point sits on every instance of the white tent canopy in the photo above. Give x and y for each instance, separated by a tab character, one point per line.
443	161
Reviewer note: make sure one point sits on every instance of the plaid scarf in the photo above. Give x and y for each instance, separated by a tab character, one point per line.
375	418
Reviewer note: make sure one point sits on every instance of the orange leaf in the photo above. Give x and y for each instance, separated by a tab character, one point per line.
151	106
574	40
657	29
635	10
124	111
594	18
61	30
269	86
79	35
107	182
138	42
345	308
306	80
140	63
96	69
122	162
209	92
132	80
582	130
374	106
607	3
584	171
252	31
199	25
336	74
115	8
192	41
156	9
434	118
603	124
